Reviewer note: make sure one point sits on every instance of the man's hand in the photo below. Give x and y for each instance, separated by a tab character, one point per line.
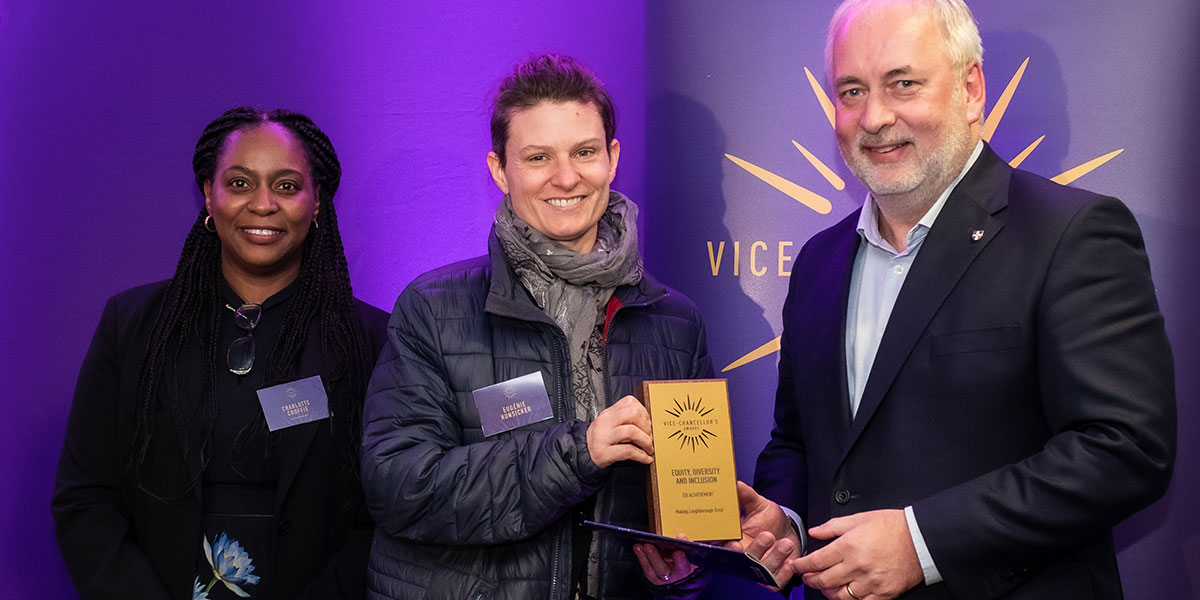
621	432
871	551
767	533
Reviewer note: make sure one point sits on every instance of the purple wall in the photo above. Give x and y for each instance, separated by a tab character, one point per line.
101	104
99	109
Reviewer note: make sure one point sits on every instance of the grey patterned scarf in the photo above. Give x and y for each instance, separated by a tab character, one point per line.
574	288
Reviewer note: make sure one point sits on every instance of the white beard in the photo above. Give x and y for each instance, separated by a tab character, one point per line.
930	170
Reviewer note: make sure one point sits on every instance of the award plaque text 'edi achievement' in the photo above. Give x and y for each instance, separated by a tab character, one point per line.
693	483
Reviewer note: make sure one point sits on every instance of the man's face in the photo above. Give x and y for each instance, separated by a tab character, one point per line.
904	111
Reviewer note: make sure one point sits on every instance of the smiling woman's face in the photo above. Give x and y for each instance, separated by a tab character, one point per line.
262	200
558	170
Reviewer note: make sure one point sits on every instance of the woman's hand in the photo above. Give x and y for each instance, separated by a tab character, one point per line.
621	432
662	567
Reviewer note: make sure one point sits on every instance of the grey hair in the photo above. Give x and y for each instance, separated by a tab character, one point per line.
960	33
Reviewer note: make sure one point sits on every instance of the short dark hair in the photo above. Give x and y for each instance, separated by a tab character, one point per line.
549	78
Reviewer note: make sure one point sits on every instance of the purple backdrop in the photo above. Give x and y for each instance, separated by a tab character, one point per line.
100	106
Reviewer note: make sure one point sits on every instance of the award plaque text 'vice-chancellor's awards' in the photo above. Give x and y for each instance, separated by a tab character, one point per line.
693	483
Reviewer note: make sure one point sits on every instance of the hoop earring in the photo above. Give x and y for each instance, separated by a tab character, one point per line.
208	223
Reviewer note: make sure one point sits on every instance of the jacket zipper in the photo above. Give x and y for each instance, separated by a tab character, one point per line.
608	399
556	564
559	337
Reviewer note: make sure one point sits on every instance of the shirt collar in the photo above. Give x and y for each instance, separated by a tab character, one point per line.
868	219
233	300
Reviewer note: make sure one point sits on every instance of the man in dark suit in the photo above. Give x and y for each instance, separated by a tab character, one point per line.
975	383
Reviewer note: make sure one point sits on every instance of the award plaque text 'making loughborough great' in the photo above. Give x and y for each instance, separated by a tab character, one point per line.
693	483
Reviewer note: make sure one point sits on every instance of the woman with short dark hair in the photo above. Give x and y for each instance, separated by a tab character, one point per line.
562	313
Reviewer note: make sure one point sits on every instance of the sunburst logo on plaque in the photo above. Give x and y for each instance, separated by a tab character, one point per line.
691	436
823	206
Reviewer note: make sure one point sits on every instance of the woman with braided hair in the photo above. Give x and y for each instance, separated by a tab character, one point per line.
212	446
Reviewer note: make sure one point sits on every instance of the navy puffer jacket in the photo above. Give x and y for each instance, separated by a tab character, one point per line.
463	516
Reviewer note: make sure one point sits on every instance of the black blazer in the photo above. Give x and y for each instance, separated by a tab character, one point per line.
1022	399
119	542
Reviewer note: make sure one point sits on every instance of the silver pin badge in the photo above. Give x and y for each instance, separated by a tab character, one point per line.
977	235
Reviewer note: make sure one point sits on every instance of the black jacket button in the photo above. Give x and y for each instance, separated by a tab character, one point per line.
283	526
842	496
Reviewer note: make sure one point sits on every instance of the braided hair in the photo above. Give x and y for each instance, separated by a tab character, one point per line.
192	303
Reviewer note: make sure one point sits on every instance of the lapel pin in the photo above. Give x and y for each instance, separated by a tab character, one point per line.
976	235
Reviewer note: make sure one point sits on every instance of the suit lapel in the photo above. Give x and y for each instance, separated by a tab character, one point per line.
293	448
840	269
945	255
295	441
179	390
814	325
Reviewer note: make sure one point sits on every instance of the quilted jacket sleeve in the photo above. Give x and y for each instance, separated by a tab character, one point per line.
424	483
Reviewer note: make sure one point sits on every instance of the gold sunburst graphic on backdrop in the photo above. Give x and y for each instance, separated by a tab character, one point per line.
693	436
822	205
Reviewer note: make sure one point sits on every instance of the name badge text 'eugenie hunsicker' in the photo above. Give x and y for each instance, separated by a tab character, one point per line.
514	403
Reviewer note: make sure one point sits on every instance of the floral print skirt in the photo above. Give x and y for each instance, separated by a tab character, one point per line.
238	543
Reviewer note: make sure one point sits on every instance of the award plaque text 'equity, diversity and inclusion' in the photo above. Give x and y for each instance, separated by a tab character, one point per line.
693	483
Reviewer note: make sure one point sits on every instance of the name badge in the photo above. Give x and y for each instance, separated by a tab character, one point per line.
294	403
514	403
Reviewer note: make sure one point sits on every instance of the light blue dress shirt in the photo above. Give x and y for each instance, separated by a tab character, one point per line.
879	273
875	281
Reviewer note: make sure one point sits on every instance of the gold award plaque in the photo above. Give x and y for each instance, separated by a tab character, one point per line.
693	483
